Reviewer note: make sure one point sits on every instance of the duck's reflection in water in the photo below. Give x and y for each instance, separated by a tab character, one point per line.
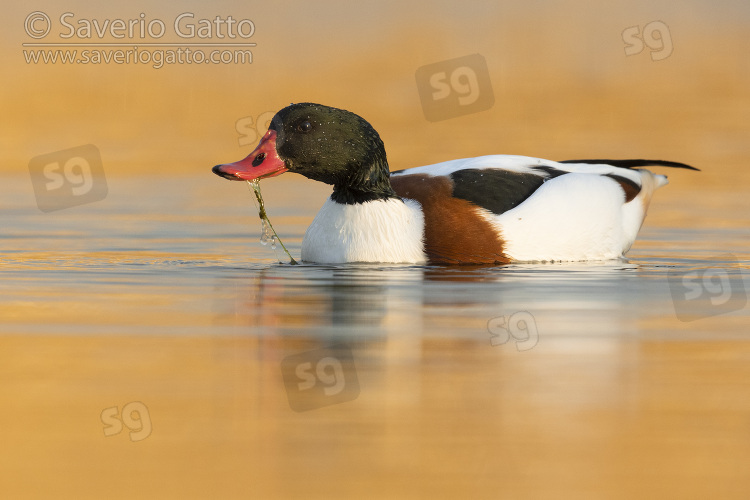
355	303
366	301
401	349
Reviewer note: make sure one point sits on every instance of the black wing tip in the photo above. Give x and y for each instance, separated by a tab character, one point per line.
635	163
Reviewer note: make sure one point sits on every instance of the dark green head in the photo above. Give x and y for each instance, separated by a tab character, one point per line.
322	143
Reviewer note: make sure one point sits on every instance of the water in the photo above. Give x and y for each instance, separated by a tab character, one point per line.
448	381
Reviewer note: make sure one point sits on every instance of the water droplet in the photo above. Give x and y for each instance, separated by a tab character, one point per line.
266	235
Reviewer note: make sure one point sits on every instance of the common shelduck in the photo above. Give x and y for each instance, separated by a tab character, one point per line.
486	210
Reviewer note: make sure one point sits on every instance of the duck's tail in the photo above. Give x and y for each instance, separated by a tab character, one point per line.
635	163
658	180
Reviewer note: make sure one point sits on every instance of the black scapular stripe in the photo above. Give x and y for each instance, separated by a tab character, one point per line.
494	189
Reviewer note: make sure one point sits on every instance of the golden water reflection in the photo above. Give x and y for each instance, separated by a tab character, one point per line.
615	398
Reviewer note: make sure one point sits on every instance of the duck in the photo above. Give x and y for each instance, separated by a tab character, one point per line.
495	209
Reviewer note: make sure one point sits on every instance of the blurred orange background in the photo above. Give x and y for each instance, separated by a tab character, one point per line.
563	84
608	406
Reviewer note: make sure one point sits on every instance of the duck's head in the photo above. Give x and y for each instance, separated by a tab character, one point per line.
325	144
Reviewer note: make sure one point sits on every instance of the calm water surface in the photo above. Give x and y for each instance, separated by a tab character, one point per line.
614	379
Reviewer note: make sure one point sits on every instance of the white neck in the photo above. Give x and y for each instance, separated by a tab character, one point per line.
388	231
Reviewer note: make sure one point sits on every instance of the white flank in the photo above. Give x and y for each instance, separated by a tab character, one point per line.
389	231
574	217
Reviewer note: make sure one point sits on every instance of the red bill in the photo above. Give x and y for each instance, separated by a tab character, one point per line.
263	162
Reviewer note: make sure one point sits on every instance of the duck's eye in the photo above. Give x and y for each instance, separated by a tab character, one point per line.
304	127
